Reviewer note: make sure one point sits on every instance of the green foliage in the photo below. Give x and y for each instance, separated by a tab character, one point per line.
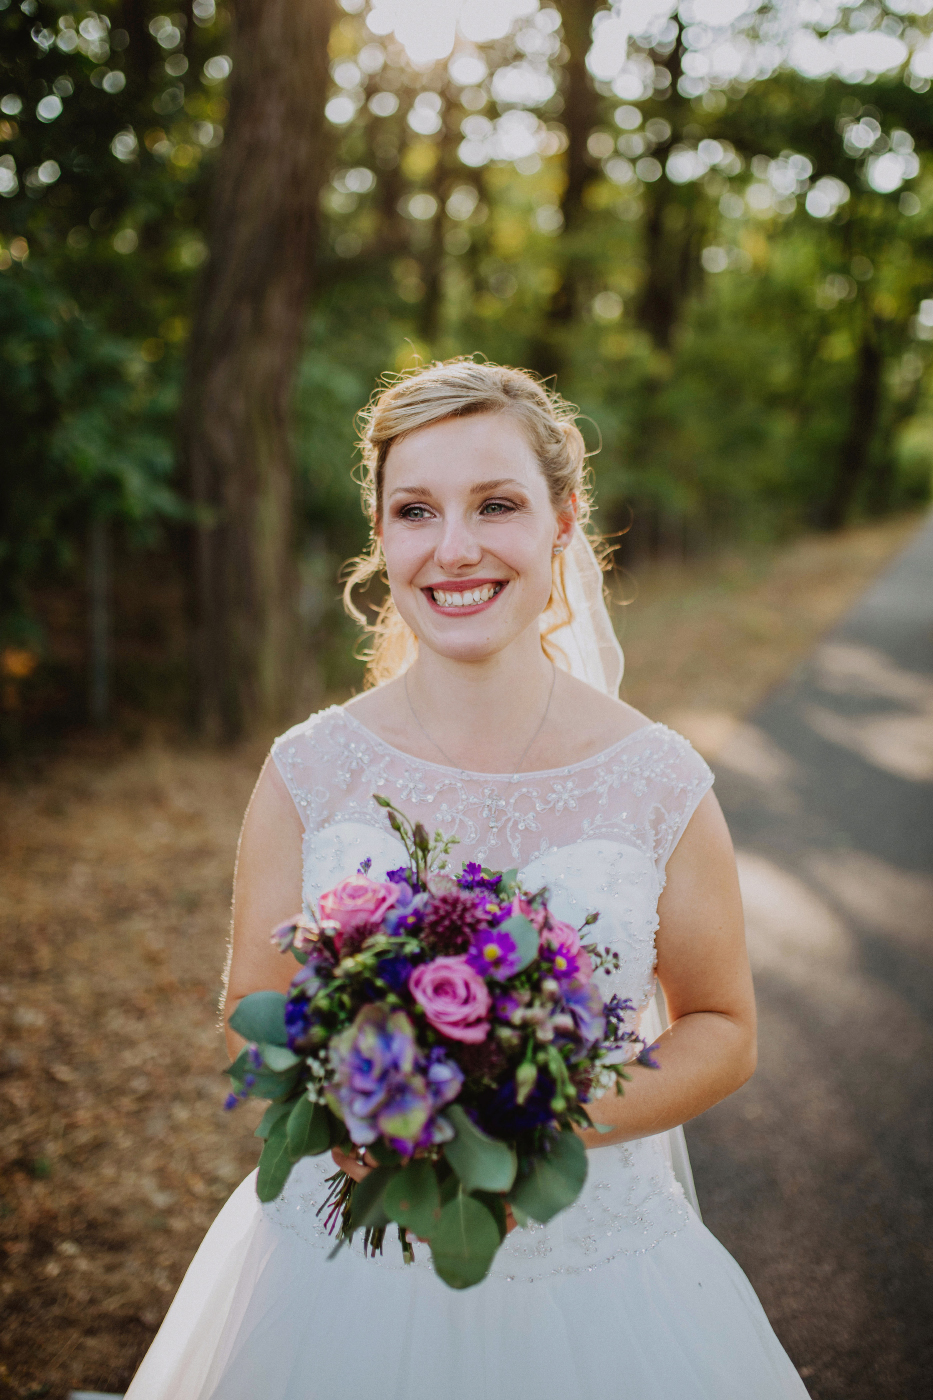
753	364
261	1017
552	1181
482	1163
275	1162
412	1198
308	1129
101	234
464	1241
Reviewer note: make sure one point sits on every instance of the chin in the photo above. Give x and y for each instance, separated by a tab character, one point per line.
469	649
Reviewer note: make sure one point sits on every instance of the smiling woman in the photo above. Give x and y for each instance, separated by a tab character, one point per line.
508	419
475	490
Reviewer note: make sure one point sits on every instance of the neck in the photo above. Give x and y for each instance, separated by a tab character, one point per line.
481	713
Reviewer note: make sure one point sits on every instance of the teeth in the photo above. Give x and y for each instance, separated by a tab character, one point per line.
468	598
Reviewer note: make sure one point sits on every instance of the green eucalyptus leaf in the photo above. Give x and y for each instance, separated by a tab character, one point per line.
271	1116
413	1199
482	1163
241	1066
520	1217
271	1085
261	1017
367	1210
495	1204
278	1057
275	1163
525	934
385	1155
308	1130
553	1180
464	1242
508	885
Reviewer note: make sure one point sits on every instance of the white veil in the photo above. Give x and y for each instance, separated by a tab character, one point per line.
588	641
593	654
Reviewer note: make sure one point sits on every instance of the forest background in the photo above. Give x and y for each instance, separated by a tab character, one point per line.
712	223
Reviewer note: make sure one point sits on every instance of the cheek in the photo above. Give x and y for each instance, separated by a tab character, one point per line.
404	551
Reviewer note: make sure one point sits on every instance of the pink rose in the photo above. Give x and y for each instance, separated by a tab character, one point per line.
456	1000
357	902
568	951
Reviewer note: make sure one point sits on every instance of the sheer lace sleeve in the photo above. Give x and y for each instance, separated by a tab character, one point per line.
685	781
303	755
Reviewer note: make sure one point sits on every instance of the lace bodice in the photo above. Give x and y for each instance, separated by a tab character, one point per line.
599	834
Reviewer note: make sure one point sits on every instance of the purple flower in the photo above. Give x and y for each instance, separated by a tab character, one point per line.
566	964
646	1057
406	915
402	876
472	878
395	972
493	953
298	1020
382	1087
502	1116
586	1007
445	1077
506	1007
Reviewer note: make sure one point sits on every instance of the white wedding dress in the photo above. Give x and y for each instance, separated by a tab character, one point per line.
625	1295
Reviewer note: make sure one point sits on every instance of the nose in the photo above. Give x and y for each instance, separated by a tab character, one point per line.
458	547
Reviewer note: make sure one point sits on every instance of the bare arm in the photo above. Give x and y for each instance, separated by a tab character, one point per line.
709	1050
266	892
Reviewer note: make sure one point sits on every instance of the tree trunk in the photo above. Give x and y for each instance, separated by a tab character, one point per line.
855	456
244	348
581	112
667	242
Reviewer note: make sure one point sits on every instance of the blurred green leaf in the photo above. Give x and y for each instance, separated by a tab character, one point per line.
412	1198
464	1242
261	1017
482	1163
274	1163
552	1180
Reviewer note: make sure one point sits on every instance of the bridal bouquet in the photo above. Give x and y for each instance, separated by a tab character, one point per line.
451	1028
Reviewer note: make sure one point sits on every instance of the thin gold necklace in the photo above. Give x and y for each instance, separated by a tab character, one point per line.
431	740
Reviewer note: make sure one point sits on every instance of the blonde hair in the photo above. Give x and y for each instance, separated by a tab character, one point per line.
460	388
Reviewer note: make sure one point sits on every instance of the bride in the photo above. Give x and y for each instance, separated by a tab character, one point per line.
494	716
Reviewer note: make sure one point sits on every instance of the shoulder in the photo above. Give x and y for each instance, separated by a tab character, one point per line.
320	728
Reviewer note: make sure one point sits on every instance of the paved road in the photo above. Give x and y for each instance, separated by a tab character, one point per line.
818	1175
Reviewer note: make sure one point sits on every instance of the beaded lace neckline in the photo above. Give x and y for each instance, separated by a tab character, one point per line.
600	757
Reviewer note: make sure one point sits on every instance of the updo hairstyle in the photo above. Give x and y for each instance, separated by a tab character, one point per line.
460	388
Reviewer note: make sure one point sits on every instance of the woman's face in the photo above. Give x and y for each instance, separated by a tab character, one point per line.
468	532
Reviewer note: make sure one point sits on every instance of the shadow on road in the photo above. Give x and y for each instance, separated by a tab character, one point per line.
819	1174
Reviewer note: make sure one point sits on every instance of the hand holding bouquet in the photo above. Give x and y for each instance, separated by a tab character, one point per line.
452	1028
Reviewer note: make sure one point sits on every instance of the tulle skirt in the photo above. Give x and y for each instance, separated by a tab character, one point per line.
264	1315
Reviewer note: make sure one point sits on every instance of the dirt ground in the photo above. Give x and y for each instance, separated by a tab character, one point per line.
115	1151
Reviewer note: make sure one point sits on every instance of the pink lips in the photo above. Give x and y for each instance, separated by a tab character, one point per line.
463	586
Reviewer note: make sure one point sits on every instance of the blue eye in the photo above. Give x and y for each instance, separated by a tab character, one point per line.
413	513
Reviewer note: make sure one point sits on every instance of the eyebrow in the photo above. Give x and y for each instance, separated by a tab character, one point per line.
480	489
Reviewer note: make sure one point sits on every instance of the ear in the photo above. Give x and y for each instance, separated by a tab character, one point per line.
566	522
